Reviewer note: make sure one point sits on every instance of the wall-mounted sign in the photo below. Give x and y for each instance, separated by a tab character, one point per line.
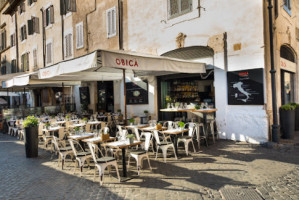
287	65
245	87
137	92
84	95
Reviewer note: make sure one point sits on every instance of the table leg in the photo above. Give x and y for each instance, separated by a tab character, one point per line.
124	162
174	139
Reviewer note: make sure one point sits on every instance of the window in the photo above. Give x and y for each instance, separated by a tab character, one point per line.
49	16
30	2
12	40
3	66
23	33
179	7
3	40
14	66
49	53
22	8
79	35
111	22
25	62
33	25
67	6
34	52
68	45
287	6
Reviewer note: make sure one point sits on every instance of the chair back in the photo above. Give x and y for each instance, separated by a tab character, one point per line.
148	137
156	135
56	143
93	148
88	128
61	133
136	131
40	128
73	146
192	129
169	125
137	120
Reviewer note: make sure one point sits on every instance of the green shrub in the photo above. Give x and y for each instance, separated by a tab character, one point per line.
288	107
181	124
131	120
294	104
30	121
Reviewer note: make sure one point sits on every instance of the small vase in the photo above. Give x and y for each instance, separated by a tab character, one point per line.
131	140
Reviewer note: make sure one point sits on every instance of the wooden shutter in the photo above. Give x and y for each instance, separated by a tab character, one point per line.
1	42
13	66
108	16
51	15
62	7
35	58
30	27
22	63
79	35
49	53
27	61
4	37
45	18
66	46
25	32
29	2
35	24
113	22
11	40
71	5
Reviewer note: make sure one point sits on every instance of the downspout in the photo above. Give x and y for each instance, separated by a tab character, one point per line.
62	36
44	38
86	25
120	24
17	43
225	51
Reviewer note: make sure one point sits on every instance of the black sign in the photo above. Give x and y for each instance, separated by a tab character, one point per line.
84	95
137	92
245	87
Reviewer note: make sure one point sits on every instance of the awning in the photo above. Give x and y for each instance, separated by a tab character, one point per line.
107	65
30	80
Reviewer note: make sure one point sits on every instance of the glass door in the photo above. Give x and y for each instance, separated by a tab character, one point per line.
287	87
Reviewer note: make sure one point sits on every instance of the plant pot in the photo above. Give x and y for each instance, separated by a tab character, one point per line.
287	123
158	126
31	142
181	128
297	119
131	124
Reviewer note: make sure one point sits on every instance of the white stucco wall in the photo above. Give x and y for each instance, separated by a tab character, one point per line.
150	31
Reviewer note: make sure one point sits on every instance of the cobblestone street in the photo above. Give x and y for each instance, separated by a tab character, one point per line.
272	173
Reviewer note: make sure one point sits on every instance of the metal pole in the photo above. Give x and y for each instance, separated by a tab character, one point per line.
23	110
125	95
63	100
275	126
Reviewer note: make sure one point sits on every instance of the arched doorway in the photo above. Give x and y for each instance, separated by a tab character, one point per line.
288	70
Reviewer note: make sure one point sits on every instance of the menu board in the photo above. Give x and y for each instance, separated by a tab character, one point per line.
84	95
137	92
245	87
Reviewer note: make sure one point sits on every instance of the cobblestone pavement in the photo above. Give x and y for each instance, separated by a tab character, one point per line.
271	172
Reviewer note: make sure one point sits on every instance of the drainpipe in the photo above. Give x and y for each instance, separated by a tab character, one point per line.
17	42
44	38
62	36
275	126
86	25
225	51
120	24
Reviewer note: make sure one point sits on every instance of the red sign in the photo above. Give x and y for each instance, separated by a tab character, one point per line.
126	62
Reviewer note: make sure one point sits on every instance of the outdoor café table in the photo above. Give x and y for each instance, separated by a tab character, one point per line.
94	123
60	122
152	128
174	136
98	140
77	125
137	126
51	130
123	145
81	137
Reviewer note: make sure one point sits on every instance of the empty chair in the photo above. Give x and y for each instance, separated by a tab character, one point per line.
212	130
62	151
169	125
139	155
188	138
102	163
201	134
163	146
80	154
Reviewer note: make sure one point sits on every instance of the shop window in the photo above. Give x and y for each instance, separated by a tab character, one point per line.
68	45
25	62
111	22
22	8
49	53
287	87
179	7
79	35
13	40
33	25
287	6
23	33
3	40
49	16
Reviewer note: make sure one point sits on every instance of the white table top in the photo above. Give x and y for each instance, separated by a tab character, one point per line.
84	135
52	129
77	125
137	126
60	122
94	122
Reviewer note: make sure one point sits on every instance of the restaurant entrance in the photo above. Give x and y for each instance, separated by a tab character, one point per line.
183	91
105	96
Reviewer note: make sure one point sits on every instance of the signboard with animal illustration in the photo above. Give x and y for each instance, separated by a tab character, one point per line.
246	87
137	92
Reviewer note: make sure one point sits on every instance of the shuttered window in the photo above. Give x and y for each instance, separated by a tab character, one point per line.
49	53
111	22
179	7
34	52
67	6
23	33
14	66
3	66
33	25
79	35
31	2
3	40
68	45
12	40
22	8
25	62
49	16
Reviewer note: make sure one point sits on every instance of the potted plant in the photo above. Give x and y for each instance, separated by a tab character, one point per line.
159	126
296	116
131	138
119	111
197	107
105	134
287	121
47	125
85	120
31	136
131	121
181	125
145	112
77	129
67	117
